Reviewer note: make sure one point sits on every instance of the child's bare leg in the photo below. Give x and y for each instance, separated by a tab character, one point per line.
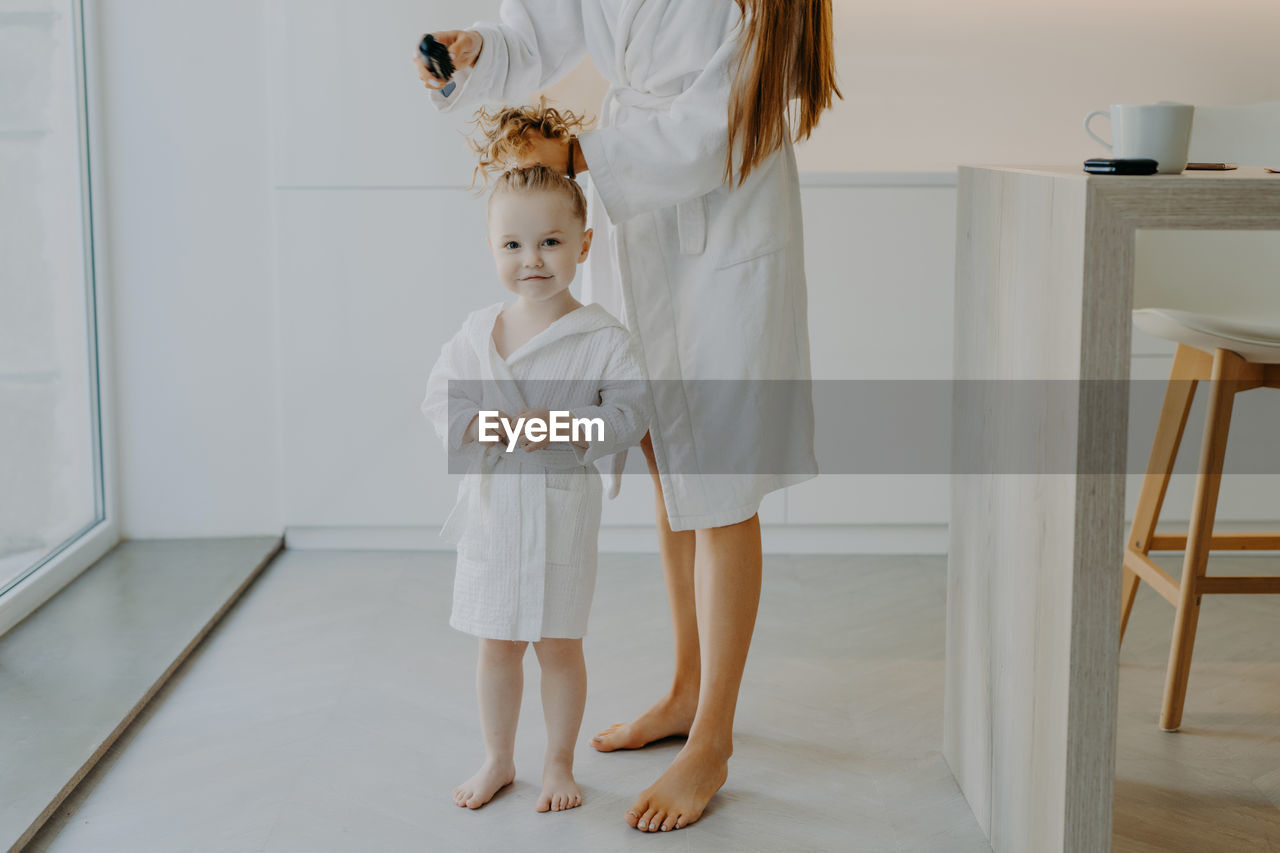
673	713
564	694
499	685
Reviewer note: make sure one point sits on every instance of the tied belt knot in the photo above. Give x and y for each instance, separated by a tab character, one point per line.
691	215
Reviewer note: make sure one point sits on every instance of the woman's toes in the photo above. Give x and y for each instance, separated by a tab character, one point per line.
646	819
655	823
633	818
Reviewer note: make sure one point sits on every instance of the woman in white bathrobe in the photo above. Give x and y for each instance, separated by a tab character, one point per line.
702	258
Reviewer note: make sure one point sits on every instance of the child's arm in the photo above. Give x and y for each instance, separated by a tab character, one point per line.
535	43
624	406
454	393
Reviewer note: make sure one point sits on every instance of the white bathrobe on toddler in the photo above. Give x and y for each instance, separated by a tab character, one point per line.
526	524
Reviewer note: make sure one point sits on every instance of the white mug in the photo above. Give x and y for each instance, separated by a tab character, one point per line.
1160	132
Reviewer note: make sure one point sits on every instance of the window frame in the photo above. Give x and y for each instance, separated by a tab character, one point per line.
66	562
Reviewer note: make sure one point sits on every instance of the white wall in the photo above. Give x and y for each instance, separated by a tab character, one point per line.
292	245
187	217
930	84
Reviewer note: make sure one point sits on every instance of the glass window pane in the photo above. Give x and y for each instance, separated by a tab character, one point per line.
50	469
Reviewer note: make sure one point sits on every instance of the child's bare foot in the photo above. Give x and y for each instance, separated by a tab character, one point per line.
480	788
670	716
679	796
559	791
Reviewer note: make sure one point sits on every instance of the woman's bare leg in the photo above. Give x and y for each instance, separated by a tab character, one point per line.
564	695
728	595
673	713
499	686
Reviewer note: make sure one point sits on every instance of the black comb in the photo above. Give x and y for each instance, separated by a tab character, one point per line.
437	58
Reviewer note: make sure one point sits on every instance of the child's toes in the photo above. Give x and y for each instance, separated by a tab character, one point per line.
544	802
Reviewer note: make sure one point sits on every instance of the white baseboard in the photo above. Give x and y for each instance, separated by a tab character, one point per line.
777	539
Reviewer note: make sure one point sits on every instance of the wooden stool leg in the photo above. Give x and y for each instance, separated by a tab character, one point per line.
1128	592
1189	364
1204	506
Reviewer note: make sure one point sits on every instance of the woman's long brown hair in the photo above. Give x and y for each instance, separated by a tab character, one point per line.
787	54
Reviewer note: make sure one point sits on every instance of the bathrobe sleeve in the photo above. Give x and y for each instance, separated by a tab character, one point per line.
454	390
535	43
624	405
661	158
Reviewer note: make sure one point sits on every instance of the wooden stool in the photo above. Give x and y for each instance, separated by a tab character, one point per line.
1229	374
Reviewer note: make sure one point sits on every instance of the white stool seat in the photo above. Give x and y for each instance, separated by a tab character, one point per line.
1253	340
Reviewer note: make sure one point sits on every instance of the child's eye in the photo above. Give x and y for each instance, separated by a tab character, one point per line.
551	241
511	244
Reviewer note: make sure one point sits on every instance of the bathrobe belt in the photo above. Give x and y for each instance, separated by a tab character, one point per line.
691	215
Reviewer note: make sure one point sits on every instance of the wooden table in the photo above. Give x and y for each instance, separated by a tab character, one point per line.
1044	290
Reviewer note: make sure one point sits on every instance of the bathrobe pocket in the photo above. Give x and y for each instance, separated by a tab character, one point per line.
565	518
752	220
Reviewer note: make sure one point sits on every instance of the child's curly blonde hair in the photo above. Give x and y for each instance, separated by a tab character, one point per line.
504	137
504	134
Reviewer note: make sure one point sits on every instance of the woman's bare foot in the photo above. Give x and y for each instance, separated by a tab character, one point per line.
559	791
480	788
671	716
680	794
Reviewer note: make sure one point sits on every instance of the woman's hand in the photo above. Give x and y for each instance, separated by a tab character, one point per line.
464	49
545	152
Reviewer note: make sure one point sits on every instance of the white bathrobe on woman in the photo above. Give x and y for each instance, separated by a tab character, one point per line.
526	524
709	279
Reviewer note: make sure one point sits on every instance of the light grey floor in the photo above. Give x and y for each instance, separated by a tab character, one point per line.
334	709
75	672
1214	785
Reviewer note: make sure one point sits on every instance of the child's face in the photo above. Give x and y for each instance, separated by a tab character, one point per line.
537	243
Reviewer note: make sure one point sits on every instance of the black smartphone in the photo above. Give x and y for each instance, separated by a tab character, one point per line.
1122	166
437	58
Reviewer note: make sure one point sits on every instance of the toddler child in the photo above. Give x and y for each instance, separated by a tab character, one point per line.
527	516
